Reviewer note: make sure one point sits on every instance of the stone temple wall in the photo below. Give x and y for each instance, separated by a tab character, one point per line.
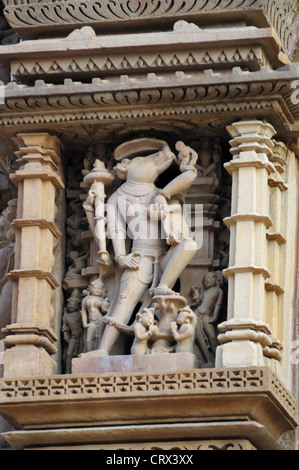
148	229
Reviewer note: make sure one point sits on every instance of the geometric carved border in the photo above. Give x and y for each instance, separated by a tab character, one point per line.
202	382
250	57
120	385
199	404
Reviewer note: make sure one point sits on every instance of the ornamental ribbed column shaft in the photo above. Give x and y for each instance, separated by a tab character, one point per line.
276	237
245	334
30	340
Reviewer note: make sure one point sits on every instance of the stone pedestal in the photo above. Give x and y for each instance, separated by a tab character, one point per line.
131	410
94	362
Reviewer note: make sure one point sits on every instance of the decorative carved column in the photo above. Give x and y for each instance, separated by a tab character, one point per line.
30	339
245	335
276	236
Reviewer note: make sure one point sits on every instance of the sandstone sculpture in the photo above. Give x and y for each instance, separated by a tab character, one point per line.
138	202
93	84
72	330
208	301
184	329
7	237
94	305
143	330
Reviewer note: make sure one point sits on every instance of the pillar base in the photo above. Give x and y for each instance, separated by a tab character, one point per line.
28	361
240	354
243	343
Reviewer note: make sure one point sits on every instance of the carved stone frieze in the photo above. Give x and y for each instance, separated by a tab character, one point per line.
93	65
210	101
207	395
30	18
83	54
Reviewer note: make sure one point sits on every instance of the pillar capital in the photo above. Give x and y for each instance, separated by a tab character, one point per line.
39	158
41	140
251	145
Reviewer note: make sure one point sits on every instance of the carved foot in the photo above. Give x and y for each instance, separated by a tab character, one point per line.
164	291
101	353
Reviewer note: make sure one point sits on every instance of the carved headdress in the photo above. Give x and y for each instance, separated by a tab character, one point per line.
138	147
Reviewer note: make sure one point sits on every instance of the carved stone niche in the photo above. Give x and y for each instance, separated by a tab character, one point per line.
135	247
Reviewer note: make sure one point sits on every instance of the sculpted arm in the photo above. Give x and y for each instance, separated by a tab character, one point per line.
142	336
84	314
105	305
128	330
116	227
174	330
65	329
217	307
186	333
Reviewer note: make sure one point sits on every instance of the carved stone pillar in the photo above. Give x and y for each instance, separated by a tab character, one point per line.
276	237
245	335
30	338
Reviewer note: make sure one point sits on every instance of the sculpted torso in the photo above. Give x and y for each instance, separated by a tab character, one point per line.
210	299
93	305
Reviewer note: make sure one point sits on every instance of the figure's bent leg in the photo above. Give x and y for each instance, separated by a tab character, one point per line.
174	264
199	338
128	298
211	334
69	356
90	336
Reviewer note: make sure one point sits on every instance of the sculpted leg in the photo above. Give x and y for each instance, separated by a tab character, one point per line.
177	258
91	336
131	291
211	334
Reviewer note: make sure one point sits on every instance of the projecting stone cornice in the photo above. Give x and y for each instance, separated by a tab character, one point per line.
32	18
83	54
100	109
